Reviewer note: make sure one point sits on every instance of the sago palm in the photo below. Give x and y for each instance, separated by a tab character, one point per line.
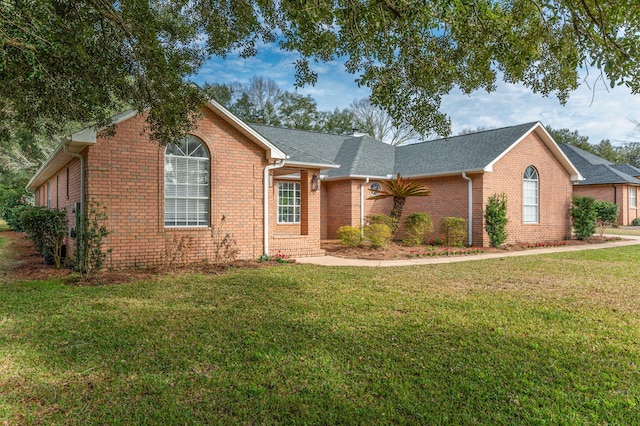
399	189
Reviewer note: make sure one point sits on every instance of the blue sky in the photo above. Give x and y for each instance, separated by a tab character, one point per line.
593	109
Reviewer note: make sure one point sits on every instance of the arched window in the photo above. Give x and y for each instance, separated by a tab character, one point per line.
186	183
530	195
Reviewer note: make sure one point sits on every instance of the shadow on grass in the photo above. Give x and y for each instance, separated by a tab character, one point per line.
267	346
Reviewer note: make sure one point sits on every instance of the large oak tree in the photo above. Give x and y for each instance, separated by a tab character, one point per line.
81	60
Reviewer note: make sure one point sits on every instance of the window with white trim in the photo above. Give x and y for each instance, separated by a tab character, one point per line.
632	197
530	196
288	202
186	183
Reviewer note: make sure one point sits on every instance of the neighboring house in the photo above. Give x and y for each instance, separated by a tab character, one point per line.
282	191
606	181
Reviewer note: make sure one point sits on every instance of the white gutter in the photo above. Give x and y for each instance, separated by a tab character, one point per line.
366	181
265	185
470	195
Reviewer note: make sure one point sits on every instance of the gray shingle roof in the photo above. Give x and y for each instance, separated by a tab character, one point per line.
596	170
473	151
364	156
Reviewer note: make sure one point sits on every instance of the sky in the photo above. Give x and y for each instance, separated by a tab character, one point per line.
594	109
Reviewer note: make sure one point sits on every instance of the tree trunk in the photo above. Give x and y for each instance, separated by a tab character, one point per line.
396	213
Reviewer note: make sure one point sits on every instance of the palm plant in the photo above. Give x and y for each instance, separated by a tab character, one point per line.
399	189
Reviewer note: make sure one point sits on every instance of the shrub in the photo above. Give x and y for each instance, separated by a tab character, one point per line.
583	213
454	230
89	254
495	219
47	229
635	222
606	215
378	234
382	219
349	236
12	202
417	225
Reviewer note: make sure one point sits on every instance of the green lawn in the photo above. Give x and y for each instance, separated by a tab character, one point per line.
546	339
621	231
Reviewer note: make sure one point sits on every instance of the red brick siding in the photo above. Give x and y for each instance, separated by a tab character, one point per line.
125	173
555	191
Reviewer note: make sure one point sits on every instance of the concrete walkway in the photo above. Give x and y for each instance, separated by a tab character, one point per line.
629	240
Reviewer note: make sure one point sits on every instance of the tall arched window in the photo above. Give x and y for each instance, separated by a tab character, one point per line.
186	183
530	196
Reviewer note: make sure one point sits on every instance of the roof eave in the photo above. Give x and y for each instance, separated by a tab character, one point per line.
273	152
320	166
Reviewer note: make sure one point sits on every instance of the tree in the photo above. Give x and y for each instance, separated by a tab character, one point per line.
606	215
399	189
338	121
379	124
607	151
83	60
572	138
298	111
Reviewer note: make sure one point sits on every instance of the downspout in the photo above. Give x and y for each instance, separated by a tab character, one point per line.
265	213
470	195
79	231
366	181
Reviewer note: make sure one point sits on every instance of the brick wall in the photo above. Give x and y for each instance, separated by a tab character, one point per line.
555	191
125	173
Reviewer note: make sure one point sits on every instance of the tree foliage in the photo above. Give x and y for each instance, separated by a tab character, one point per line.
81	60
495	219
583	213
606	215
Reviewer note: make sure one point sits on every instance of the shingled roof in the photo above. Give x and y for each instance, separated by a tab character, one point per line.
362	156
598	171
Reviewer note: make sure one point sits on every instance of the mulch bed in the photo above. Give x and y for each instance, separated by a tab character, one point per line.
29	265
397	250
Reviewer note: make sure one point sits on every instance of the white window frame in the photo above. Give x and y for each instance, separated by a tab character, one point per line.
289	202
633	199
187	191
530	195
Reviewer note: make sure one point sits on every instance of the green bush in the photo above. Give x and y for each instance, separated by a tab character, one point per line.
47	229
606	215
350	236
495	219
583	213
90	255
378	234
635	222
382	219
12	201
454	230
417	226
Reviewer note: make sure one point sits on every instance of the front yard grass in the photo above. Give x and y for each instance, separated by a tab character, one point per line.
544	339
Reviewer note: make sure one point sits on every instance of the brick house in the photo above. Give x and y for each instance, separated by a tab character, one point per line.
282	191
606	181
462	172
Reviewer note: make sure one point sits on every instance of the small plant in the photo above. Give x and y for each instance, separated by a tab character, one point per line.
349	236
378	234
279	258
583	213
495	219
177	251
635	222
417	225
454	230
383	219
47	229
225	247
90	256
606	215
